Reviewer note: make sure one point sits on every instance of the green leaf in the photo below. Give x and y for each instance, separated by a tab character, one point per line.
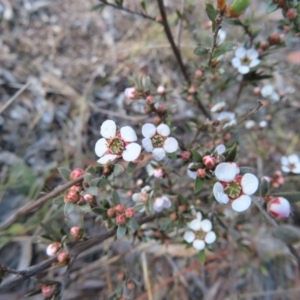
172	155
118	169
85	207
223	48
264	187
201	51
198	184
234	22
132	223
100	211
143	5
93	190
35	292
147	85
244	170
88	177
115	197
196	156
230	153
293	197
211	11
69	208
289	234
131	167
202	256
272	7
97	181
58	200
138	206
239	6
65	173
121	231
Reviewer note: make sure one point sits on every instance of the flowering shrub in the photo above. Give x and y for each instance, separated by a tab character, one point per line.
184	176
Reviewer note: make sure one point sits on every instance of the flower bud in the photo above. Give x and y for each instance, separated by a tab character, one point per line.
256	91
139	182
198	74
192	89
161	110
120	208
201	173
221	5
63	258
209	161
237	8
121	276
130	285
182	207
161	90
291	14
49	291
81	201
53	248
76	173
71	197
274	38
111	212
150	100
89	198
157	120
129	212
158	172
279	208
130	93
121	219
76	232
107	170
148	109
185	155
173	216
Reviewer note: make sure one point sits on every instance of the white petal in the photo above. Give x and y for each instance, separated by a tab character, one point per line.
136	197
240	52
218	106
275	97
158	204
210	237
170	145
220	149
267	90
189	236
198	245
284	160
225	172
249	184
236	62
108	129
131	152
148	130
167	202
195	225
252	54
244	69
128	134
286	169
147	144
293	159
146	189
219	194
101	147
296	169
159	154
254	63
191	174
241	204
163	130
199	215
106	158
206	225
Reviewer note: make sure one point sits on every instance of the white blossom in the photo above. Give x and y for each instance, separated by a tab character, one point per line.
162	203
227	116
290	164
116	143
245	59
269	92
234	188
218	106
157	140
279	208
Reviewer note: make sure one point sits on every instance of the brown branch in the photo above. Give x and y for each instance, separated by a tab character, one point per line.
128	10
33	205
219	20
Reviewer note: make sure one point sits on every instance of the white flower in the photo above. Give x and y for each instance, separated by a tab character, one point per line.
218	106
227	116
157	140
245	59
201	233
161	90
142	197
268	91
263	124
161	203
221	36
130	93
190	173
116	143
250	124
279	208
234	188
290	164
156	172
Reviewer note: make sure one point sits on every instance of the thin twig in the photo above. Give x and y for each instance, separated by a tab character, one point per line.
239	93
129	11
179	28
33	205
219	20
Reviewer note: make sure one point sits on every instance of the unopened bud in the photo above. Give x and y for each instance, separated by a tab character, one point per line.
130	285
237	8
107	170
71	197
159	19
81	201
279	208
121	219
157	120
53	248
256	91
148	109
201	173
192	89
150	100
119	208
209	161
182	207
161	90
49	291
291	14
121	276
198	74
274	38
185	155
158	172
130	93
76	173
89	198
161	110
111	212
76	232
129	212
173	216
63	258
139	182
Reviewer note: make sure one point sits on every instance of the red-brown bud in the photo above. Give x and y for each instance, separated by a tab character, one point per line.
63	258
150	100
182	207
111	212
120	208
274	38
198	74
121	276
49	291
107	170
76	173
291	14
89	198
209	161
161	110
53	248
192	89
173	216
76	232
185	155
201	173
148	109
71	197
121	219
81	201
129	212
130	285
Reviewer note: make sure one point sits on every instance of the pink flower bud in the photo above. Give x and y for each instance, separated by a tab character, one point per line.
291	14
201	173
198	74
120	208
161	110
71	197
192	90
49	291
256	91
76	232
185	155
279	208
148	109
139	182
161	90
130	93
89	198
150	100
121	219
209	161
274	38
53	248
129	212
111	212
158	172
63	258
76	173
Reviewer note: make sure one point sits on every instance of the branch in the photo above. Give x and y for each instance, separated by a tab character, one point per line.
33	205
128	10
215	38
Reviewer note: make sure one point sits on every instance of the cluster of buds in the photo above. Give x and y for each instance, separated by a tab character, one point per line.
278	207
121	213
276	180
